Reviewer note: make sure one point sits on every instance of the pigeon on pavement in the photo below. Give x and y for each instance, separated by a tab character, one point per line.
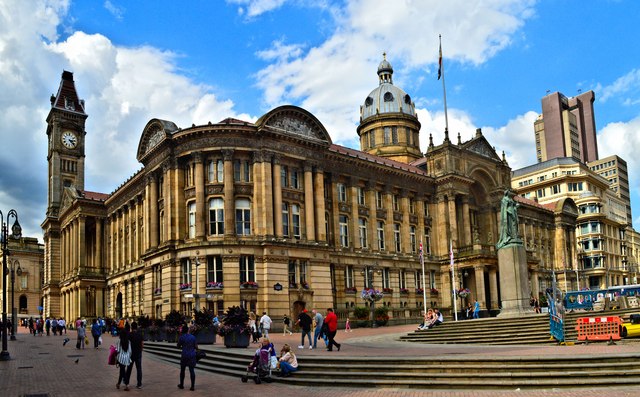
77	359
64	342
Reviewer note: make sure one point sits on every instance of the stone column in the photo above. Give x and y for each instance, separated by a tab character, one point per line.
389	225
480	292
277	195
404	225
493	288
321	232
441	236
200	191
229	199
373	218
152	231
453	222
466	222
309	203
98	253
82	246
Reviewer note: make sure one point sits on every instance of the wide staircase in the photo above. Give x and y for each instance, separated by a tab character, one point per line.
453	371
532	329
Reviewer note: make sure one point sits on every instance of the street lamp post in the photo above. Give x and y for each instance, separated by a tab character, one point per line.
13	302
16	232
369	271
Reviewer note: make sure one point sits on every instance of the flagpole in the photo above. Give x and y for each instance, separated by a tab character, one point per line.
444	91
453	282
424	286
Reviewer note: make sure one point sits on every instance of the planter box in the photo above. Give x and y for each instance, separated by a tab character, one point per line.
236	340
206	336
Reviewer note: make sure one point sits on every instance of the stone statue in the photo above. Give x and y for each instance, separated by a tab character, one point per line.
508	221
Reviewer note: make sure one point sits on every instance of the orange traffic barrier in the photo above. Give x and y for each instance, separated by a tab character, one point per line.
592	329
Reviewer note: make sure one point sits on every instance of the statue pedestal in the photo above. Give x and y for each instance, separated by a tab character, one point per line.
514	281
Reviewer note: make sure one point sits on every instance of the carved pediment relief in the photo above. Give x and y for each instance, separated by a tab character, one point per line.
154	132
482	147
295	121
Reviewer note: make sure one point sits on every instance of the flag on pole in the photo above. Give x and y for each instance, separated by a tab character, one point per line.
451	254
440	63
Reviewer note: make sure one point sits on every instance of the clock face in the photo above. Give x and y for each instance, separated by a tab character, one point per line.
69	139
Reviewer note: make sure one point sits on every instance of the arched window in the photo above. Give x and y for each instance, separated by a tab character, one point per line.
23	304
243	217
368	101
216	217
388	97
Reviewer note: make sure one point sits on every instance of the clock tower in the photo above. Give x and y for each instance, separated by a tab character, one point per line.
65	157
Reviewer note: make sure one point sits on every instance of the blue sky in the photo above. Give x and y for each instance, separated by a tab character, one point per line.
200	61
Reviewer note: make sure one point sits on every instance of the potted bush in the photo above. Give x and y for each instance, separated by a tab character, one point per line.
362	316
156	330
203	328
143	326
234	327
173	321
381	316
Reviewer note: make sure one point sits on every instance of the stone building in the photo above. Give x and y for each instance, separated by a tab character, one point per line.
25	259
274	216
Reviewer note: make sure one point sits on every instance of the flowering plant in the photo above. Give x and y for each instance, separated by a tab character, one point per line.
419	291
350	289
463	292
371	295
304	285
185	286
157	291
434	291
404	290
212	284
389	290
293	285
235	321
249	284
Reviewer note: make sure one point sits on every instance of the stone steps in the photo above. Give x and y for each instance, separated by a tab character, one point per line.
470	372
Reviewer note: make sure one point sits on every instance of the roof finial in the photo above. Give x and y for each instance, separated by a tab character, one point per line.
384	56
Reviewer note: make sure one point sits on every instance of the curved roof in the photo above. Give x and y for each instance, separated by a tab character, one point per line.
386	98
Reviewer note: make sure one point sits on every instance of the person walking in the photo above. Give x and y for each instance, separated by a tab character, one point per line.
82	334
48	325
332	324
317	332
265	324
286	325
188	344
304	321
54	326
123	347
96	331
476	309
347	326
136	353
254	327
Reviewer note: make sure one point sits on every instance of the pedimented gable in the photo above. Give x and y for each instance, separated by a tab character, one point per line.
69	195
295	121
482	147
154	132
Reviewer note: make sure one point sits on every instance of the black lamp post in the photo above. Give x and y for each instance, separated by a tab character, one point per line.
16	232
14	271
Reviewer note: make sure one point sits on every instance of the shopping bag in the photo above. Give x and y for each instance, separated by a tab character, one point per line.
86	340
112	355
100	340
200	354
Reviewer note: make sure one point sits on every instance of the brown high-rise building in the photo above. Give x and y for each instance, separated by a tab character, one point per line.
566	128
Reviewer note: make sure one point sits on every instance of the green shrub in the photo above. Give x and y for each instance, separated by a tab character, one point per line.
361	313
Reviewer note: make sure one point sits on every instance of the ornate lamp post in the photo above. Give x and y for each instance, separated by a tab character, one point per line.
14	271
16	232
368	272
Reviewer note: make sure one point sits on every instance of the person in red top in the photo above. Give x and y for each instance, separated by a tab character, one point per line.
332	323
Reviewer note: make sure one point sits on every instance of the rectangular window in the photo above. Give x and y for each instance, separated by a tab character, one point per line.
344	230
403	279
412	206
293	276
395	202
214	269
361	197
380	229
157	271
432	279
396	237
220	171
379	200
295	220
186	272
295	179
372	139
285	219
216	217
540	193
24	282
412	237
427	241
342	192
236	171
407	137
387	135
192	220
394	135
555	189
215	171
247	269
284	176
385	278
362	232
348	277
243	217
418	279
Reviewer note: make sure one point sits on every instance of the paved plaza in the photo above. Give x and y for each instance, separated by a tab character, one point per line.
43	366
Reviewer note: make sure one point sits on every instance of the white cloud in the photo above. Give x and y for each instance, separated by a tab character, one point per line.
329	78
629	84
123	89
117	12
254	8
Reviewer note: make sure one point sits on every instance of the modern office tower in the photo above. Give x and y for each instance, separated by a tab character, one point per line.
566	128
614	169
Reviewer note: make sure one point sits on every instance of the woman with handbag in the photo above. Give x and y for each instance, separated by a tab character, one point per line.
188	357
123	358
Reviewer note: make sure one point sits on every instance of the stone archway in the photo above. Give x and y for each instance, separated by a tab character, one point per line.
118	308
22	304
298	307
